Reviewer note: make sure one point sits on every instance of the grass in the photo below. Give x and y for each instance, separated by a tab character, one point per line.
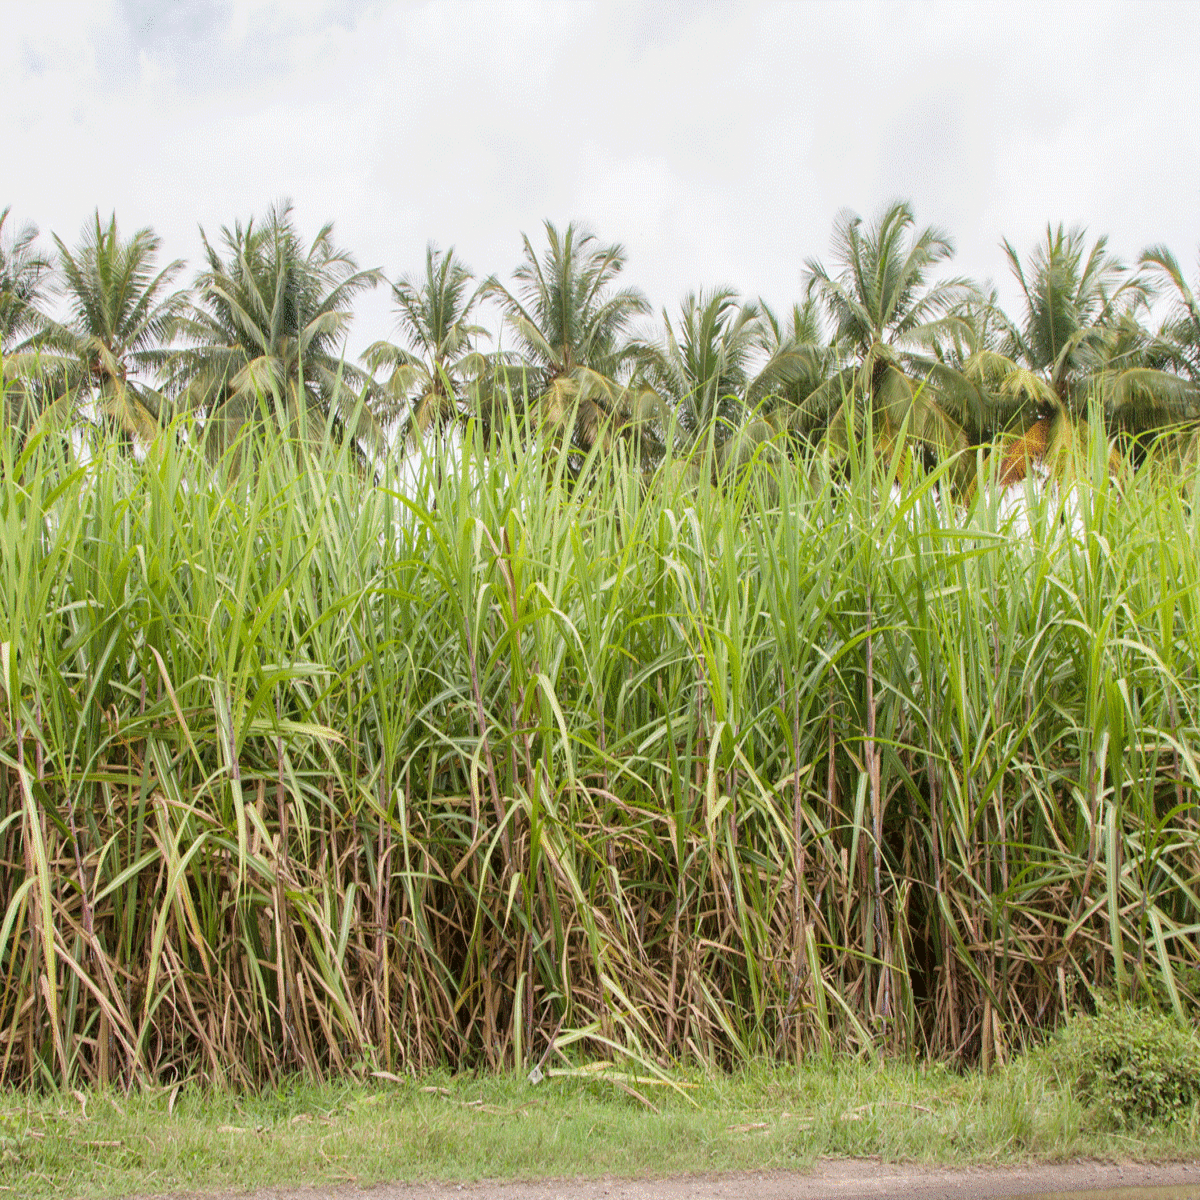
456	1128
304	769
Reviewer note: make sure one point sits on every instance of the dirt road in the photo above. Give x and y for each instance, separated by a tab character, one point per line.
829	1180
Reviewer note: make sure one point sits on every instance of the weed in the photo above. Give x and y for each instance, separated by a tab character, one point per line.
1133	1067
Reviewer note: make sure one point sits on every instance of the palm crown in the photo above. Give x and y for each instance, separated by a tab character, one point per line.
799	362
23	275
888	318
24	389
1178	341
433	313
121	318
1073	297
572	326
268	328
882	295
706	364
1079	338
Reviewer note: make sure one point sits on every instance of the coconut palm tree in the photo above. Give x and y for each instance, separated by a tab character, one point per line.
720	364
706	366
805	364
972	375
122	316
24	274
1178	341
1079	342
888	316
1073	298
266	334
572	328
428	378
1177	348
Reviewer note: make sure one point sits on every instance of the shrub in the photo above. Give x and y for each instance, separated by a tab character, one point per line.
1130	1066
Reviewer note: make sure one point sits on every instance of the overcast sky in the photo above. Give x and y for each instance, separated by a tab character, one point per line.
716	141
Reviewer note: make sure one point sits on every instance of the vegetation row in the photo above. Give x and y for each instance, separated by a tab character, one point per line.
513	755
268	315
737	690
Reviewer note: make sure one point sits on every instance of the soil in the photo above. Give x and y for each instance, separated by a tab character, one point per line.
830	1179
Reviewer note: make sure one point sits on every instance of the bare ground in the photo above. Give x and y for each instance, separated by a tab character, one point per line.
829	1180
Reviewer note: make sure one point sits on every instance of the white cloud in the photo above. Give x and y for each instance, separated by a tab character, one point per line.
717	141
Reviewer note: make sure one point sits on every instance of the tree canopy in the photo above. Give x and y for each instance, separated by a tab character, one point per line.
883	329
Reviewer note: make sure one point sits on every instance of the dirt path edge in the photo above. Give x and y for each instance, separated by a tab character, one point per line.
830	1179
